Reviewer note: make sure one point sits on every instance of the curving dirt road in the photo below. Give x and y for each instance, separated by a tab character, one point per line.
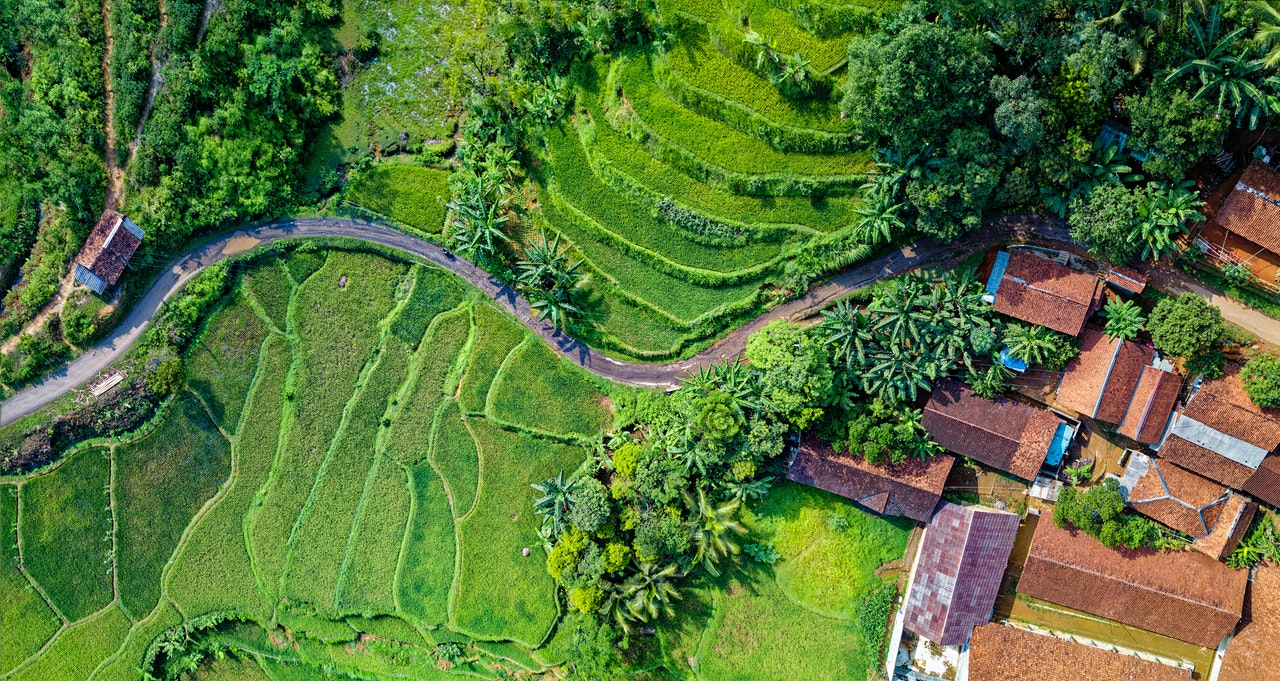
1031	228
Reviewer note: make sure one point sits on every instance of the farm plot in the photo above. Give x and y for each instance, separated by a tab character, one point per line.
495	337
66	533
80	649
409	438
222	362
28	620
161	482
411	195
454	455
270	286
538	393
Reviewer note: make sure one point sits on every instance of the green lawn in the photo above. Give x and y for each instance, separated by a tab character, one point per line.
66	533
28	621
161	482
536	391
411	195
222	362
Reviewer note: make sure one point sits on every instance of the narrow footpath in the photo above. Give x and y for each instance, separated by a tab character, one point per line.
1022	228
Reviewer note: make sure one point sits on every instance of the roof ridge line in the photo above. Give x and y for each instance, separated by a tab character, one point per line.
1077	568
979	427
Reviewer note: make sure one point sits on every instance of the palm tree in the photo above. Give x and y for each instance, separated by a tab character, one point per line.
555	306
715	527
848	330
545	266
897	374
879	222
767	55
1231	76
1165	216
650	589
1268	31
478	218
742	491
1124	319
1030	343
553	504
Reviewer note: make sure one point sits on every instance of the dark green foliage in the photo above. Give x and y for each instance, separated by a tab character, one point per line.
915	86
1186	325
168	377
872	613
33	355
1261	375
134	25
1105	221
177	321
795	370
303	262
1261	543
81	322
116	413
589	506
1100	512
1176	129
879	433
1208	363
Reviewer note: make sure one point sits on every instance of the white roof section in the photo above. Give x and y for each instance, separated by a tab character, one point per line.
1217	441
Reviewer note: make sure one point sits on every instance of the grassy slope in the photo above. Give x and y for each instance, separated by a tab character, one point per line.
411	195
161	482
66	533
221	363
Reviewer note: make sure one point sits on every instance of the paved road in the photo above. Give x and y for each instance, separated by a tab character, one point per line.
1023	228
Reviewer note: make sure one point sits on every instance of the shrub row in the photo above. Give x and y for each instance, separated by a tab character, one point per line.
744	119
625	119
828	21
699	225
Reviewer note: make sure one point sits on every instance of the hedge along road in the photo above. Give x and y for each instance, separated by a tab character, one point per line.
1032	228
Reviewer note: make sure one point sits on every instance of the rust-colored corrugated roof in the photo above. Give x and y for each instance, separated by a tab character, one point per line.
1151	406
107	250
1252	210
1043	292
1230	528
999	652
962	561
1001	433
910	489
1181	594
1179	498
1253	654
1223	405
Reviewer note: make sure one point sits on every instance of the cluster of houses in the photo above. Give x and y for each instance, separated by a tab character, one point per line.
1200	456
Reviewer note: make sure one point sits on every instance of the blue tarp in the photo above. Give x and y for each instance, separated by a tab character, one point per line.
1058	447
1009	361
997	273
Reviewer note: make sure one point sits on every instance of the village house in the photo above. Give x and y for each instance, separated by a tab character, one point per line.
1253	653
961	562
1120	382
1002	433
912	489
1251	212
1222	435
1215	517
1037	290
1184	595
106	252
999	652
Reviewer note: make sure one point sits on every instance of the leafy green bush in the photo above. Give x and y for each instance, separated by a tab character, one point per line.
1186	325
1100	512
1261	375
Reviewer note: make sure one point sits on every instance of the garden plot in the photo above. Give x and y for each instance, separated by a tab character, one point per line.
222	362
410	195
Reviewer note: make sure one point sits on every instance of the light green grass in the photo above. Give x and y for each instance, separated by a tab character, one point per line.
391	628
318	548
536	390
28	621
128	663
368	585
454	455
760	635
271	287
339	330
66	533
426	574
221	363
631	159
213	571
410	435
302	263
823	568
161	482
411	195
80	649
718	143
496	336
501	593
434	291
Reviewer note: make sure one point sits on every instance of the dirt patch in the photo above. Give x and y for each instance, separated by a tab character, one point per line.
606	404
239	244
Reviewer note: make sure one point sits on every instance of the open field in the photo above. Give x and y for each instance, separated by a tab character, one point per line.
411	195
223	361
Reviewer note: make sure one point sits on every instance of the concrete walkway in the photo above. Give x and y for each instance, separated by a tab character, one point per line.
1024	228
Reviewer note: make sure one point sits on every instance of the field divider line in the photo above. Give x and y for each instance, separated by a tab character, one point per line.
431	461
352	533
361	383
115	533
259	310
155	612
287	409
497	375
35	657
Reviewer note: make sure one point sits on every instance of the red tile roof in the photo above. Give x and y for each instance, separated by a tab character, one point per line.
1264	484
1181	594
1253	654
910	489
1127	279
1043	292
1151	406
962	560
1179	498
1001	433
1100	382
1251	210
1232	524
1127	368
999	652
108	248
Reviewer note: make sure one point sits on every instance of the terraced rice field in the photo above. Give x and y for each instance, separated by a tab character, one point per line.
317	479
